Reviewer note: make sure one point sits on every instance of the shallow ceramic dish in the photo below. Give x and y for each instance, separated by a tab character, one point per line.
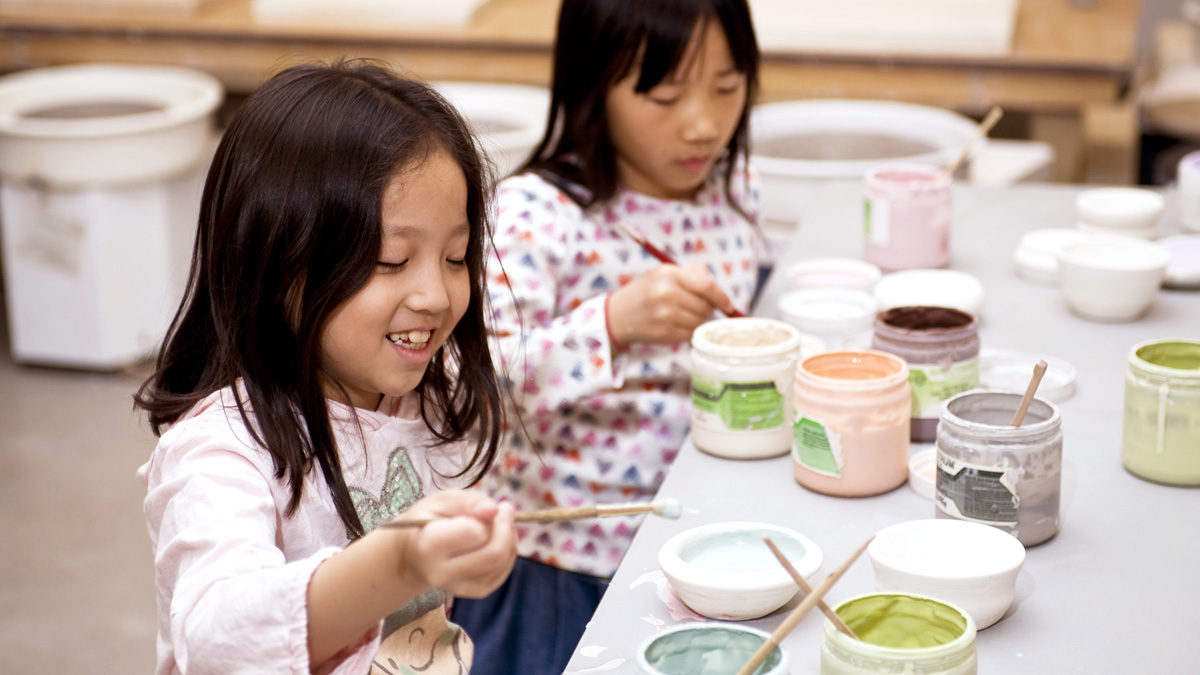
967	564
708	649
725	570
1111	278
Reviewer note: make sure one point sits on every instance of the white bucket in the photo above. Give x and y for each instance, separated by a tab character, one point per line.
103	124
798	145
508	119
101	169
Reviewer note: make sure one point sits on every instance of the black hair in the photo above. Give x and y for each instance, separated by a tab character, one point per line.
289	229
598	43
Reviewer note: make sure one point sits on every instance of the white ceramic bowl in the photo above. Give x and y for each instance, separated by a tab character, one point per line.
850	273
101	125
708	648
725	571
1036	255
967	564
1111	278
930	288
800	145
508	119
1118	209
841	318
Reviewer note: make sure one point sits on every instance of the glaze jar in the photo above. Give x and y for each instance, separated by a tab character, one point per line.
851	423
941	347
742	372
991	472
908	209
1161	430
900	633
708	649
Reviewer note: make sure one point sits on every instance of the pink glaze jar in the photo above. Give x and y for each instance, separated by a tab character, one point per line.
850	429
907	216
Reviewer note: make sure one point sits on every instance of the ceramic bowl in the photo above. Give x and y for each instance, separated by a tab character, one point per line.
1119	209
967	564
710	648
725	571
841	318
932	288
1111	278
851	273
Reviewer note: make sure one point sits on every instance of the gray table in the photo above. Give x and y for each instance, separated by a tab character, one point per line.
1117	591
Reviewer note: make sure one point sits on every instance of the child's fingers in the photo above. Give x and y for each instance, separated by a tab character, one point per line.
696	278
471	554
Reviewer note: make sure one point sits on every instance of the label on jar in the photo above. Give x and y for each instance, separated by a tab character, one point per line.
817	447
747	406
878	221
984	494
933	385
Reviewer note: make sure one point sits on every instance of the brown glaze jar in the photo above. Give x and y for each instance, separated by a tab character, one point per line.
941	347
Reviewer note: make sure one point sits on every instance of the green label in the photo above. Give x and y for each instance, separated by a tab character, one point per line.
815	447
750	406
933	385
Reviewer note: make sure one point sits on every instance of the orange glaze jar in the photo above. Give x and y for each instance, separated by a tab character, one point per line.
850	429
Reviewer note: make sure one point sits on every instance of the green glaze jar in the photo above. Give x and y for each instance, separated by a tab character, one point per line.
900	633
1161	431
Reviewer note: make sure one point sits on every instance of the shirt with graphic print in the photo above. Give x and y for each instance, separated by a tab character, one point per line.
597	425
232	570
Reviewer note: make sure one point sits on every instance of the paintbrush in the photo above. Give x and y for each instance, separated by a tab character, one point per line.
799	579
662	256
1038	371
985	125
666	507
800	611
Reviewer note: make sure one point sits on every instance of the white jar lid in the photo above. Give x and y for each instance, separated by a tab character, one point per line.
1183	269
1119	207
1036	255
822	311
931	288
1009	371
922	469
834	273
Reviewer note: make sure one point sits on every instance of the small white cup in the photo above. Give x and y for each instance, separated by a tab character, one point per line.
1188	178
1111	278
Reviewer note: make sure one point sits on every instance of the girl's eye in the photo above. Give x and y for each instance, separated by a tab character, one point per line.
390	267
664	100
726	91
461	262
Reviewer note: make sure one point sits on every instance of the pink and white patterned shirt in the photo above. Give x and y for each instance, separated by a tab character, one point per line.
598	427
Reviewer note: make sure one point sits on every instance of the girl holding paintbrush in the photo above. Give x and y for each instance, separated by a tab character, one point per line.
644	160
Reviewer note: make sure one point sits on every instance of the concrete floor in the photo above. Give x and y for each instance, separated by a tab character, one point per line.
76	572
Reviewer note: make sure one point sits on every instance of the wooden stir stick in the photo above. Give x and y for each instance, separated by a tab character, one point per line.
800	611
982	130
1038	371
799	579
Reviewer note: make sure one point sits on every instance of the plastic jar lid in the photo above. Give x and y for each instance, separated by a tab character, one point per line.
1183	269
823	311
922	470
930	287
834	273
1036	255
1009	371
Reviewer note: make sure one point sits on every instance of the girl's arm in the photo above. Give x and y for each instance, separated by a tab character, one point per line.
468	553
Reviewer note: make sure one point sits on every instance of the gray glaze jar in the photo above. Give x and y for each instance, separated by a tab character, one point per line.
993	473
941	347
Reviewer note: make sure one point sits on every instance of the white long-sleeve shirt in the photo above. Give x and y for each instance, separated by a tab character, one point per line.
232	570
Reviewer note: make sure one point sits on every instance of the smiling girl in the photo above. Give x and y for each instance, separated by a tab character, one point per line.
311	389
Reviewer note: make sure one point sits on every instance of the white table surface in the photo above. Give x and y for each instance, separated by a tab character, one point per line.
1116	591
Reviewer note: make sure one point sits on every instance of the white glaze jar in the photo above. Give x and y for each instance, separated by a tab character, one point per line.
993	473
903	619
742	372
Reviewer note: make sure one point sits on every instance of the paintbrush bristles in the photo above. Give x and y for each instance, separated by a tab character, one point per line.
800	611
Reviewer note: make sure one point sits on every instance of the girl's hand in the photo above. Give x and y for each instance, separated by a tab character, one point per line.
469	551
665	305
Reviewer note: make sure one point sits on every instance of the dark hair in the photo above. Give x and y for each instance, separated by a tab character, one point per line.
290	228
598	43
